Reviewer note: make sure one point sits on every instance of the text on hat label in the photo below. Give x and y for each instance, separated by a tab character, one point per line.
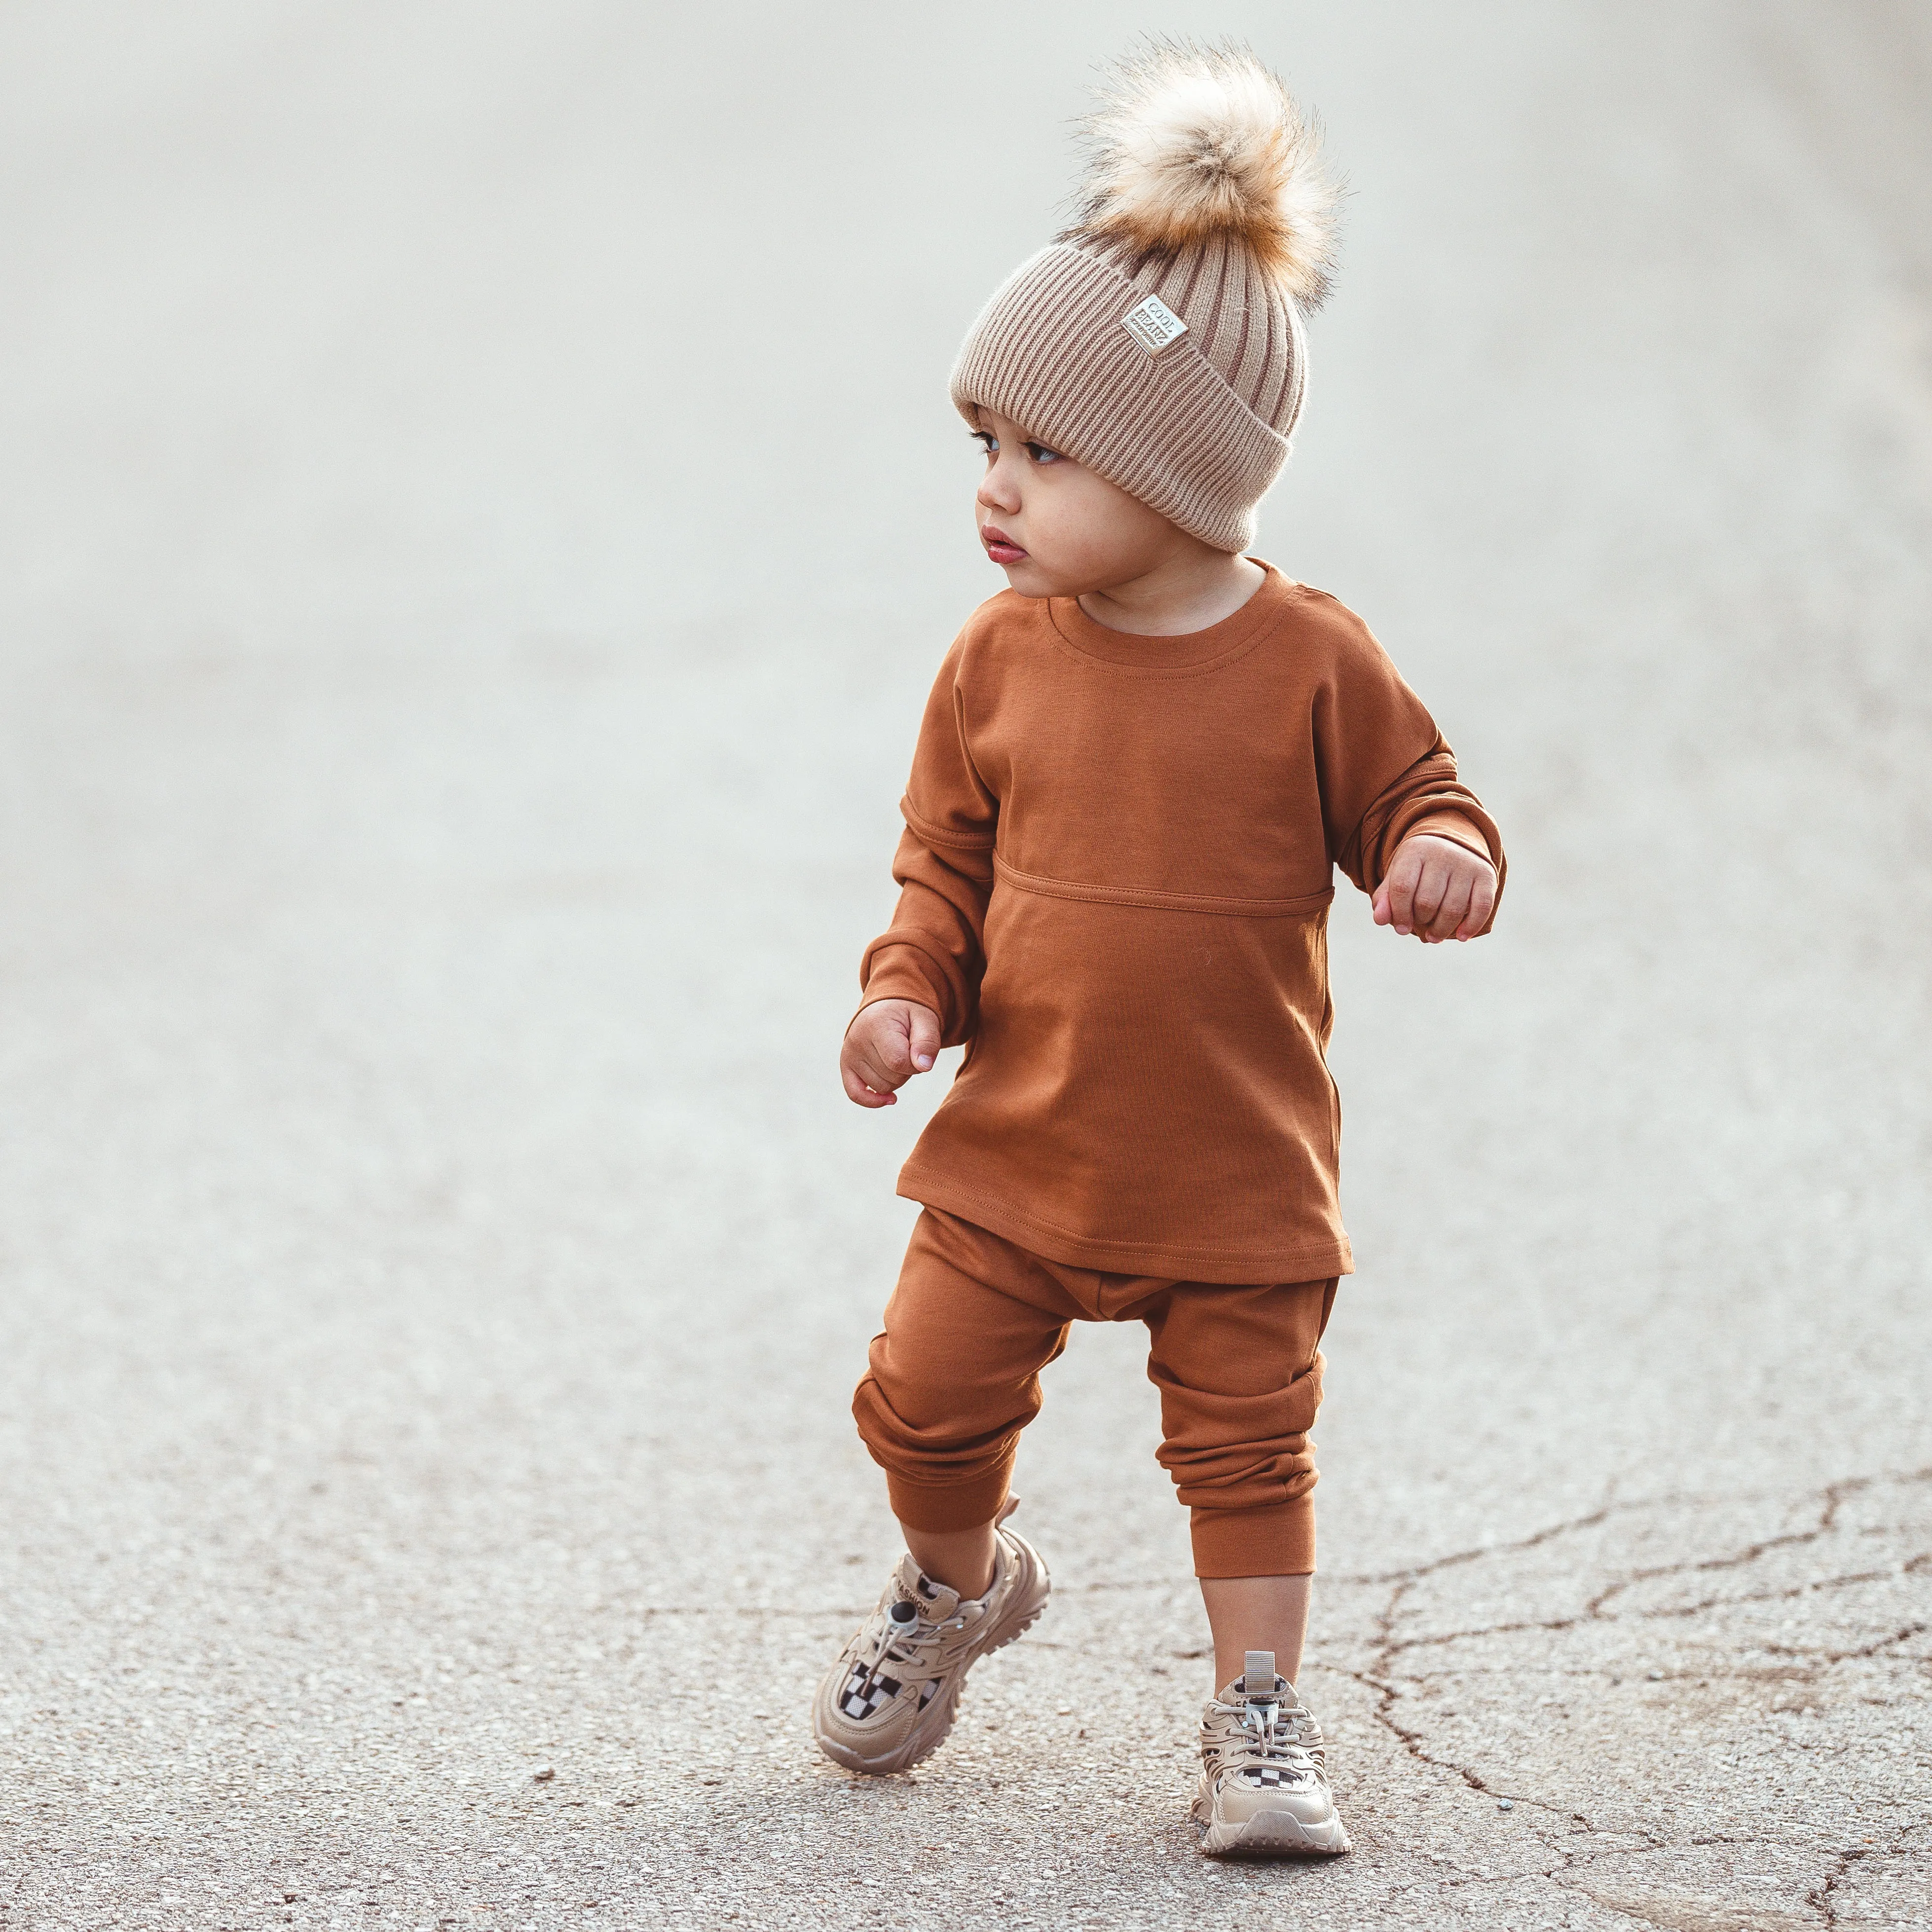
1154	325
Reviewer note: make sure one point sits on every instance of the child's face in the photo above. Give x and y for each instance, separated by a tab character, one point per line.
1056	528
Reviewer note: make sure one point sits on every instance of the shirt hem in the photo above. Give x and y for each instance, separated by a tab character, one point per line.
1071	1249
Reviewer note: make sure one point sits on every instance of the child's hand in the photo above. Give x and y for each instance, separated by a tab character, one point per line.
1436	890
886	1044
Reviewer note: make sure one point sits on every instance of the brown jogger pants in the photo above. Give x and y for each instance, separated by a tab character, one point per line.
954	1377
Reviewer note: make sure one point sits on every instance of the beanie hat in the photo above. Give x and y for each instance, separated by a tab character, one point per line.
1159	341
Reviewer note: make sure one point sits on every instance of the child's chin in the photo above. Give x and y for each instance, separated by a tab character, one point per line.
1028	580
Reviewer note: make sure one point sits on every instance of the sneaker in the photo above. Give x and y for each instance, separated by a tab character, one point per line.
1264	1790
891	1698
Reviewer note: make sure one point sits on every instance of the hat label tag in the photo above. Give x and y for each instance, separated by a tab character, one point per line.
1154	325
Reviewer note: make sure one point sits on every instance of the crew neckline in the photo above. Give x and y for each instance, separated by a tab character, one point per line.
1186	651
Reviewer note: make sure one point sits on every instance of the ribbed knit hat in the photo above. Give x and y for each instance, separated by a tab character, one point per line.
1159	339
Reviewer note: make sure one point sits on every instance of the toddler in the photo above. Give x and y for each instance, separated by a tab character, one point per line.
1138	770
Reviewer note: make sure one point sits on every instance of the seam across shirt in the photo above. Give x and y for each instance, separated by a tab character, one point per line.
1157	901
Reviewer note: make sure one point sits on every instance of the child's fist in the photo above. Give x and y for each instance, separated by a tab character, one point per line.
886	1044
1436	890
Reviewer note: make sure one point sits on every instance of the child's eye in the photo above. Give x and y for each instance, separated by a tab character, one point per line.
1040	453
987	441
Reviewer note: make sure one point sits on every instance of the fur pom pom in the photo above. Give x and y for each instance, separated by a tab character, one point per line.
1191	142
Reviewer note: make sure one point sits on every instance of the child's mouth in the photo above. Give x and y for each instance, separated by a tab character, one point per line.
1000	546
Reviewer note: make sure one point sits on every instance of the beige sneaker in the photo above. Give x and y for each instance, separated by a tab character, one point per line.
1264	1790
891	1696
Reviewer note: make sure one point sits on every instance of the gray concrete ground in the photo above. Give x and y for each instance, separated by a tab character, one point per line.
480	513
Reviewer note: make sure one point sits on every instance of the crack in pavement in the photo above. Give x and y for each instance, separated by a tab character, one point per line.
1822	1897
1415	1572
1386	1694
1875	1648
1665	1612
1832	1500
1819	1897
1833	1497
1564	1863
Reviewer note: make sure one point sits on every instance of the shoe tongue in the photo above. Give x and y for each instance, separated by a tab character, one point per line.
1257	1683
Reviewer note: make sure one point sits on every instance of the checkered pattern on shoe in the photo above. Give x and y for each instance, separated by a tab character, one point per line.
905	1634
866	1690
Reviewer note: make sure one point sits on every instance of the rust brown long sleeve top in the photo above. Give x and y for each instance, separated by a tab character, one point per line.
1117	867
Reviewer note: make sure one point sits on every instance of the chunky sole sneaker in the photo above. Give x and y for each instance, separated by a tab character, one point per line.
891	1698
1263	1791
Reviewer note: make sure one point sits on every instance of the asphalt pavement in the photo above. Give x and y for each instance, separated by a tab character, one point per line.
478	515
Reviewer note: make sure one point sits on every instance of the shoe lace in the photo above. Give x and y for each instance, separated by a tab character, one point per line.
904	1639
1270	1733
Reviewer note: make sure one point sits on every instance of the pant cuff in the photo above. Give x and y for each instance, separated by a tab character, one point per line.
939	1507
1277	1540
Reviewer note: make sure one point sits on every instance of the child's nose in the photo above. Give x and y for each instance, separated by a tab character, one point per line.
997	491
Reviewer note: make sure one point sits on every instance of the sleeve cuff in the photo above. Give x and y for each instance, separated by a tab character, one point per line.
900	972
1458	830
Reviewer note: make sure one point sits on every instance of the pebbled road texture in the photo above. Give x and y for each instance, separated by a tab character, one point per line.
480	513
